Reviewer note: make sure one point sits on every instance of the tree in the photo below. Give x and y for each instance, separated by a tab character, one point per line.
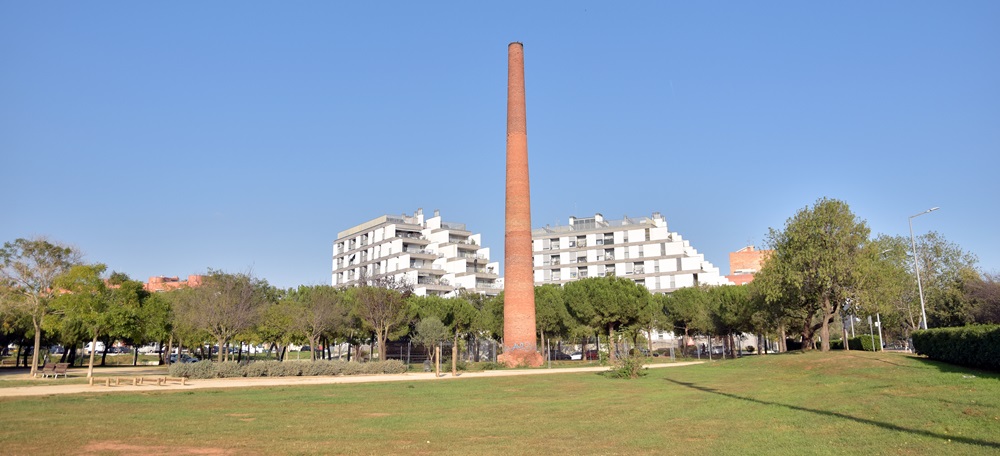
277	325
225	305
551	316
984	294
687	309
652	317
463	317
380	303
84	297
429	332
319	309
28	268
606	302
943	269
814	265
730	312
457	314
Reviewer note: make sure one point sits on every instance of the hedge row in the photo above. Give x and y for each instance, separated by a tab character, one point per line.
865	343
971	346
209	369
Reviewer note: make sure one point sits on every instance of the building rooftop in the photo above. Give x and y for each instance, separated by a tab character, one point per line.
598	222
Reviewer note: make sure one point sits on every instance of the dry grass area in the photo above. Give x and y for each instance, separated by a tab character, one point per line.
814	403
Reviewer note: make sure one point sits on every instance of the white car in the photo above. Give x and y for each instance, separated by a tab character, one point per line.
576	356
90	346
148	349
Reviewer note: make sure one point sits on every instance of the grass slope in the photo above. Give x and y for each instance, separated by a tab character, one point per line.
814	403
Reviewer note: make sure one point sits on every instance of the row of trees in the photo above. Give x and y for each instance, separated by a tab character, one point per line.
825	268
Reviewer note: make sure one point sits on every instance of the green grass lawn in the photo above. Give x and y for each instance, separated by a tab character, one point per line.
814	403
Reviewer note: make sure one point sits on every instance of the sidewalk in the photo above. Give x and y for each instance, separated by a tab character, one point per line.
46	390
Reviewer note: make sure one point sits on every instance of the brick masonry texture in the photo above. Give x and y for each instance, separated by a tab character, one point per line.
519	285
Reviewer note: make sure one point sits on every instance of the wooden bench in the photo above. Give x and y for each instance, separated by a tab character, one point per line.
60	368
8	362
160	381
45	370
139	381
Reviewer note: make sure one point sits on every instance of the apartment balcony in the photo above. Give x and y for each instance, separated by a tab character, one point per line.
435	286
422	254
416	241
488	288
479	273
640	270
432	269
467	245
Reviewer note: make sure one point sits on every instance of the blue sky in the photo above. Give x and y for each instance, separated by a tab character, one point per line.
169	138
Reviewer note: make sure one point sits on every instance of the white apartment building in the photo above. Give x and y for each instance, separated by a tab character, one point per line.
638	248
434	256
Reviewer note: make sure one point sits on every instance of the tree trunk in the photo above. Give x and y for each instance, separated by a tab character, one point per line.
454	356
846	346
825	329
437	360
93	348
222	347
38	345
170	345
104	356
611	344
382	336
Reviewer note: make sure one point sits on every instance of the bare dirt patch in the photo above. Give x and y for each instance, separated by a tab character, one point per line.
112	447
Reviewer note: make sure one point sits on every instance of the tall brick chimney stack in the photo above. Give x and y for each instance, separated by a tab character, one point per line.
519	283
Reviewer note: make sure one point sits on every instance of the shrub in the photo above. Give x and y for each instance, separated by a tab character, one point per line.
229	369
201	369
971	346
258	368
630	367
272	368
865	342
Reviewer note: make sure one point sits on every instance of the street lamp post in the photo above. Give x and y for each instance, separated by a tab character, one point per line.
916	267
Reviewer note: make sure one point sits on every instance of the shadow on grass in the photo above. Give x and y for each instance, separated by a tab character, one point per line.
956	369
866	358
887	426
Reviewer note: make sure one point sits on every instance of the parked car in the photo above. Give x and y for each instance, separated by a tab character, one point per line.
119	350
576	356
557	355
592	355
89	347
183	359
149	349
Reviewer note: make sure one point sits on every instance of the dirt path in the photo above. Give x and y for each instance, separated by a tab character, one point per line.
127	375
